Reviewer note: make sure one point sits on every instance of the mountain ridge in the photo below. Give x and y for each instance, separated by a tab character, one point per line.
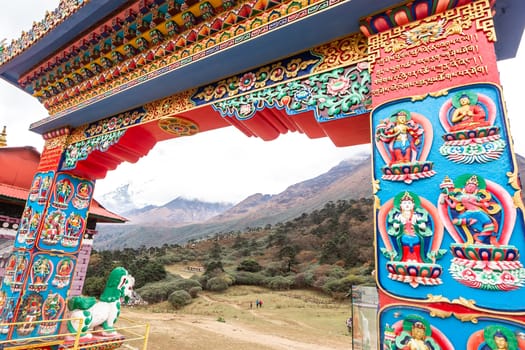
255	210
175	222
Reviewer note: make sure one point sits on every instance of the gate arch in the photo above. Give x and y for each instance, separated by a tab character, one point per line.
419	80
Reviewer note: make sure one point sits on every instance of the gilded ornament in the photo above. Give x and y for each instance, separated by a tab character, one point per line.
437	299
439	93
440	313
466	317
465	302
375	186
516	199
341	52
513	180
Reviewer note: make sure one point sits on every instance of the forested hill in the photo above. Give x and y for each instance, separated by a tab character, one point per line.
328	249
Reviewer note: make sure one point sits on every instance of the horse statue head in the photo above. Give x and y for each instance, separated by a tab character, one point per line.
103	313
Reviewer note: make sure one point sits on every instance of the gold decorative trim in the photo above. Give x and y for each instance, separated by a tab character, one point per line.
439	313
437	299
77	134
169	106
518	203
451	22
342	52
418	97
375	186
465	302
513	180
439	93
61	141
466	317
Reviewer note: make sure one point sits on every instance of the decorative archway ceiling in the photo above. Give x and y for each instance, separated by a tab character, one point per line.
140	51
319	93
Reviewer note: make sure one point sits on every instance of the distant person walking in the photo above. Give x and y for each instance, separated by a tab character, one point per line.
251	305
260	303
256	303
349	323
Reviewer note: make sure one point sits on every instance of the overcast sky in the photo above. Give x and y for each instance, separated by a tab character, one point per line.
221	165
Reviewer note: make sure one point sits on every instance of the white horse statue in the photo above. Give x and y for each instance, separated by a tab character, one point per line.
105	312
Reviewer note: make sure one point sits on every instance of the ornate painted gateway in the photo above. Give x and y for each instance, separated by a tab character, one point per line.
418	80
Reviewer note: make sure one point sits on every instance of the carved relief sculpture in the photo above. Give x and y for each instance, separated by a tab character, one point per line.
414	332
496	337
471	136
480	216
403	139
412	235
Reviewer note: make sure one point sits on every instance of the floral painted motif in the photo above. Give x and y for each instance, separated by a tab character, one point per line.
266	76
480	216
336	94
121	121
412	237
81	150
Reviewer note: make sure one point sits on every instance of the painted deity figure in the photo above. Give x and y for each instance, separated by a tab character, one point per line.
475	211
403	140
53	227
6	315
33	226
35	188
412	236
415	335
24	224
467	114
408	226
41	271
44	188
63	275
53	308
73	230
402	135
20	268
83	196
495	337
63	192
480	217
30	312
472	134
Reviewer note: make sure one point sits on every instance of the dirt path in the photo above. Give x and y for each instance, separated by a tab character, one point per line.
266	330
184	332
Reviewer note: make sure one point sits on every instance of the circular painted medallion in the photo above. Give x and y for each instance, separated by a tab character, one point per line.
178	126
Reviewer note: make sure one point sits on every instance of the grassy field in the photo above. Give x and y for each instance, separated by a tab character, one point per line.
287	320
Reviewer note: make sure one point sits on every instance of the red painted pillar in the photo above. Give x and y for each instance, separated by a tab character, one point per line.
449	218
39	272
